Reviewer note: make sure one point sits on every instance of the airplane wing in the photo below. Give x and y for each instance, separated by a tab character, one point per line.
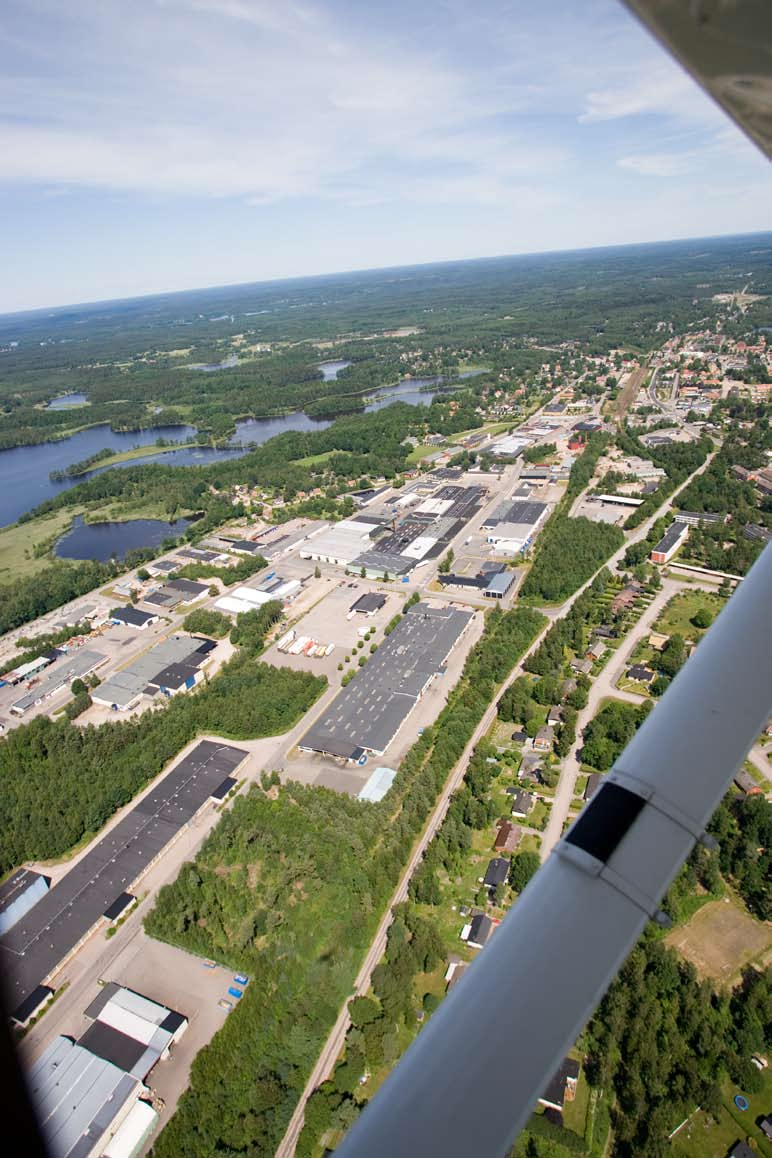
727	47
468	1083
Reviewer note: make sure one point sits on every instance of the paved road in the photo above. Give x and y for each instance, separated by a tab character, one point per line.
334	1043
758	757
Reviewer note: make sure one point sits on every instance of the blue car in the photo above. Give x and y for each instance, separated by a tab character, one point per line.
241	979
234	992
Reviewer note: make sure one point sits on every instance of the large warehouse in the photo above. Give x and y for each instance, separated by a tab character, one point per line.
47	934
86	1091
512	525
367	714
172	666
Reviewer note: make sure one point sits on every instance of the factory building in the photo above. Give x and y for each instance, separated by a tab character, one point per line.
367	714
18	894
341	543
87	1092
172	666
512	525
73	665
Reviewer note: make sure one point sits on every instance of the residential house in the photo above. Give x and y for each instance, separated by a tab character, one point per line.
742	1150
478	931
508	836
530	767
596	650
554	716
641	673
745	782
562	1085
543	739
625	598
455	971
582	666
765	1125
658	640
522	802
522	737
497	872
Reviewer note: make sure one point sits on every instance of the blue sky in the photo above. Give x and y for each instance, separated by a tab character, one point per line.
167	144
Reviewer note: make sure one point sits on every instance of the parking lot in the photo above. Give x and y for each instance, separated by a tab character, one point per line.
328	622
601	512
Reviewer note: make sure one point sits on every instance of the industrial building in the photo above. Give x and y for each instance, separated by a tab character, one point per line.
87	1092
513	524
271	588
172	666
43	938
73	665
131	617
491	584
673	538
18	894
368	603
378	785
341	543
367	714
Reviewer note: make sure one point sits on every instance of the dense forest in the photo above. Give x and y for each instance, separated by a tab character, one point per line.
62	782
307	874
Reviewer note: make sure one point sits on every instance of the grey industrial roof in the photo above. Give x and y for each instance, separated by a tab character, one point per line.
501	583
75	1094
369	712
160	599
521	511
187	587
72	666
124	686
33	948
197	553
16	885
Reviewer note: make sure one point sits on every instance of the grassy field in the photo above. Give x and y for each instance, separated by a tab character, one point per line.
315	459
138	452
720	939
676	617
702	1137
19	542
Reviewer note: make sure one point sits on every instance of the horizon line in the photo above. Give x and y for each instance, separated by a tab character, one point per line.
149	296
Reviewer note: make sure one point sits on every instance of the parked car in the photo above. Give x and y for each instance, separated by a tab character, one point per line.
241	979
209	964
234	992
227	1005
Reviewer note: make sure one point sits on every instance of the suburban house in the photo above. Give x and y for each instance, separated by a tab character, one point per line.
562	1085
747	784
641	673
522	802
530	768
554	716
477	932
582	666
658	640
497	872
596	650
543	739
521	737
508	837
455	971
742	1150
625	598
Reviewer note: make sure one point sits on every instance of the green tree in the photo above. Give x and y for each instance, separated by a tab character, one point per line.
522	868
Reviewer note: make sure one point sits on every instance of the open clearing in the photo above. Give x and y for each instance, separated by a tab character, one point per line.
19	541
677	615
720	939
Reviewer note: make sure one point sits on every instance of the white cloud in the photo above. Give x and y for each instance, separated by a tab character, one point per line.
657	164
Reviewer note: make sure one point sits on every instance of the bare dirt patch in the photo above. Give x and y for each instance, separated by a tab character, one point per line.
720	939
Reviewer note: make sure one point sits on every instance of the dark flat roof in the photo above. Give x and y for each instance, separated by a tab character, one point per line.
112	1045
222	790
33	948
369	712
132	616
175	675
187	586
671	536
370	601
31	1002
119	905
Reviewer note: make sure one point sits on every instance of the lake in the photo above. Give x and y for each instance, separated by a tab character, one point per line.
331	370
67	402
24	470
105	541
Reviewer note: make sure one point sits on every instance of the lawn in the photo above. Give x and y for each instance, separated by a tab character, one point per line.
19	542
704	1138
720	939
677	615
315	459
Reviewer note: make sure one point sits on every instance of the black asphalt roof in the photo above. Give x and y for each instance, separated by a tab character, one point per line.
33	948
119	905
31	1002
672	535
370	601
556	1090
369	712
187	586
132	616
497	872
112	1045
481	928
175	675
222	790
